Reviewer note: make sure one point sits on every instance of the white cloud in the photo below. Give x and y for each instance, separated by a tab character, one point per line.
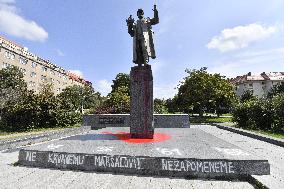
59	52
251	61
240	37
103	86
14	24
77	72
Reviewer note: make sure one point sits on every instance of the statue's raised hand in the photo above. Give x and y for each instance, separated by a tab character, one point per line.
155	8
130	20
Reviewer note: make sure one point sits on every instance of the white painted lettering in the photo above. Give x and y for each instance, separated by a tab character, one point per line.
182	167
65	159
211	167
231	167
224	167
170	165
217	167
206	167
199	166
30	156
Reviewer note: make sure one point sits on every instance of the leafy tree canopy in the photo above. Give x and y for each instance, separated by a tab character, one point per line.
12	86
201	90
121	80
76	97
160	106
276	89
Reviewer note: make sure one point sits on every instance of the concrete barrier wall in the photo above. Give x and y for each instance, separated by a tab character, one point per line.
97	121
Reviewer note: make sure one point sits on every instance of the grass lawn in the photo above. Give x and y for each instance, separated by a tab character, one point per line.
6	135
272	134
195	120
206	119
279	135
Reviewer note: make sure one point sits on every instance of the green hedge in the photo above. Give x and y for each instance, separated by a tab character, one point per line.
34	112
261	114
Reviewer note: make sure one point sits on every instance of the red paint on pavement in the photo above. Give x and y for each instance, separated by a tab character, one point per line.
126	137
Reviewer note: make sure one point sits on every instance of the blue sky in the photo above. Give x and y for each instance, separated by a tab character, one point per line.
229	37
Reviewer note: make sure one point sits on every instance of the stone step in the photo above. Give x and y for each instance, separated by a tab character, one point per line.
144	165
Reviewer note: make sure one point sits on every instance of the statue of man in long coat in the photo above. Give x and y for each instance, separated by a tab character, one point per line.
141	31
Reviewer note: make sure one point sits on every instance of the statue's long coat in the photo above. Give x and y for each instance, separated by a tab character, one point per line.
147	39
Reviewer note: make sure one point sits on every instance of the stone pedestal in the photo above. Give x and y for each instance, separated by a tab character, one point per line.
141	102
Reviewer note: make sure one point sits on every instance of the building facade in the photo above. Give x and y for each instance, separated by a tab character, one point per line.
36	70
258	84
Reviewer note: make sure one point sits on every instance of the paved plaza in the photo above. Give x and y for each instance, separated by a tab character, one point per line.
26	177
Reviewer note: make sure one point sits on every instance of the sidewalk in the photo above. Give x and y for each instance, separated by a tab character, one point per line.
273	153
22	140
258	136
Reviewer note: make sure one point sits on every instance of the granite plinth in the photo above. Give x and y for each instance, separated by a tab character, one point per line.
141	102
173	152
98	121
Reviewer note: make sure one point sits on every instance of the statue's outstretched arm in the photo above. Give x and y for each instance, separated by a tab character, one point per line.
130	25
155	20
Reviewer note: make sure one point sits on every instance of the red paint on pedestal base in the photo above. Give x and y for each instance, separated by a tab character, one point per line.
126	137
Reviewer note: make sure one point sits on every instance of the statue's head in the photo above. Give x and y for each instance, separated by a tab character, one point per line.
140	13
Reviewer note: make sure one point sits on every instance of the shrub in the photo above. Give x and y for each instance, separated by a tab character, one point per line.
260	114
66	119
254	114
278	109
241	115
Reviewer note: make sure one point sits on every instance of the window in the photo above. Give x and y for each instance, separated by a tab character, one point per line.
33	74
58	81
60	75
6	65
43	78
58	90
263	83
250	84
52	72
52	80
44	69
32	84
9	55
23	61
34	65
23	71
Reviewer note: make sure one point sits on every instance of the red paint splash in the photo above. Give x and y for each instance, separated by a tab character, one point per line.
126	137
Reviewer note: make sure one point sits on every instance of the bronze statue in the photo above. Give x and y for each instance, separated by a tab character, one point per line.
141	31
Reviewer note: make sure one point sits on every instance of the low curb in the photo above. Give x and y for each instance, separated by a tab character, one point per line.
13	143
251	134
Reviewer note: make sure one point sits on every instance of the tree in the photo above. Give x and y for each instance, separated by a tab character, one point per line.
160	106
12	86
91	98
278	108
247	96
76	98
121	80
118	100
201	90
276	89
172	105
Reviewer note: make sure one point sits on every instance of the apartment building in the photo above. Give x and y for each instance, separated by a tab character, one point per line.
37	71
259	84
